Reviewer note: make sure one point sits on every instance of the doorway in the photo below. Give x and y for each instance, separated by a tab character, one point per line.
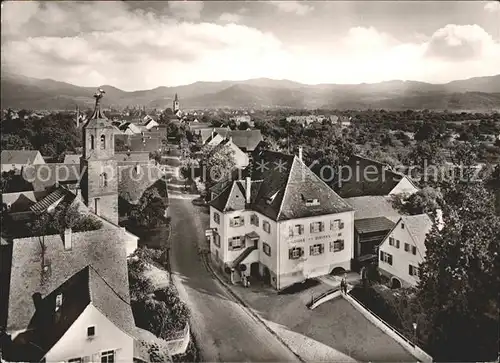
254	270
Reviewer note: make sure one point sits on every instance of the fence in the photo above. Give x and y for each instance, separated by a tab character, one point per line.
411	347
180	342
327	295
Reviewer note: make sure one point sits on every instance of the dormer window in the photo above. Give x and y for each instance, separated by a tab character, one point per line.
312	202
270	199
59	301
103	142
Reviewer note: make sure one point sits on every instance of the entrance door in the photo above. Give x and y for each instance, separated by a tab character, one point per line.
256	242
254	269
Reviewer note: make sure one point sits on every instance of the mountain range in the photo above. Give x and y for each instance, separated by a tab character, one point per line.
474	94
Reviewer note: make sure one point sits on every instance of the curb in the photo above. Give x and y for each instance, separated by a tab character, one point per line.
246	307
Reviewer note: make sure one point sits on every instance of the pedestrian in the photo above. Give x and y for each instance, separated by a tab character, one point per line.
342	285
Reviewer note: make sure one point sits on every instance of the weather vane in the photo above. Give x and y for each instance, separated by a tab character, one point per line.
98	95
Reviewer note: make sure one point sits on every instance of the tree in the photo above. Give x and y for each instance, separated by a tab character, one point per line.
459	279
150	211
426	200
217	162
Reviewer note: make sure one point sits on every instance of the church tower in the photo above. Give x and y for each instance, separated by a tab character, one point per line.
176	106
99	182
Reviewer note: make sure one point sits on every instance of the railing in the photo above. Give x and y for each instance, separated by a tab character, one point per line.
318	298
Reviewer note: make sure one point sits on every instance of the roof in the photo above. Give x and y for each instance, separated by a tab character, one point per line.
57	195
98	120
372	207
247	140
46	175
133	157
370	225
133	183
103	249
72	158
362	176
85	287
418	226
22	201
280	191
19	156
144	143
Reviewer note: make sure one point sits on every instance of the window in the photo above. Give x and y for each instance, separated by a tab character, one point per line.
386	257
103	180
91	331
108	357
295	253
92	145
397	243
237	221
296	230
254	219
336	224
414	250
216	217
312	202
402	226
266	226
266	248
317	227
337	246
391	241
236	243
407	247
103	142
217	239
412	270
75	360
316	249
59	300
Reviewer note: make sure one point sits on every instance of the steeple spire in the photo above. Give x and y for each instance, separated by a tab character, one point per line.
97	110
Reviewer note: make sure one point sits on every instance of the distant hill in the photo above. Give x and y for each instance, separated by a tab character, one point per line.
477	94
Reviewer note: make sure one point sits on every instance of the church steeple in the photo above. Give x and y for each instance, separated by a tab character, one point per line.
99	183
176	106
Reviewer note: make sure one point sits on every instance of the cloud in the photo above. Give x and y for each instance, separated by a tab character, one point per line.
492	6
230	18
111	43
459	42
186	9
297	7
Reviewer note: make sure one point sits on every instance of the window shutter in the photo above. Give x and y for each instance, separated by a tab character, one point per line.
311	227
290	254
301	229
409	270
290	231
341	225
242	221
321	226
414	250
230	243
381	255
301	252
397	243
321	248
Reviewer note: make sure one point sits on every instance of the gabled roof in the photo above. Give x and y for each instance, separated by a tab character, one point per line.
19	156
418	226
362	177
373	206
132	157
144	143
280	190
85	287
22	201
135	179
371	225
103	249
46	175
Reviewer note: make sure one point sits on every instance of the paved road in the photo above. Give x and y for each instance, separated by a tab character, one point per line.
224	331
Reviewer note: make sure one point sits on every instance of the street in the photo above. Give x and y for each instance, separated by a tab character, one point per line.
224	330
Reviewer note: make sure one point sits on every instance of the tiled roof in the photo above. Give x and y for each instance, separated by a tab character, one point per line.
362	177
144	143
282	190
136	157
372	207
247	140
135	179
103	249
85	287
57	195
370	225
18	156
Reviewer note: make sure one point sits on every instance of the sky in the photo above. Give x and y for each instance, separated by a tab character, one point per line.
143	45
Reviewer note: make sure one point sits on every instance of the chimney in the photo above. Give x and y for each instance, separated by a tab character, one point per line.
300	153
230	139
67	239
248	189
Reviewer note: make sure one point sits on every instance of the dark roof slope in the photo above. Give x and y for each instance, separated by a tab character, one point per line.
135	179
103	249
281	185
43	176
362	176
370	225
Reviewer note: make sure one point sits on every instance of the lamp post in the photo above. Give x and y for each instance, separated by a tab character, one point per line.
415	333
